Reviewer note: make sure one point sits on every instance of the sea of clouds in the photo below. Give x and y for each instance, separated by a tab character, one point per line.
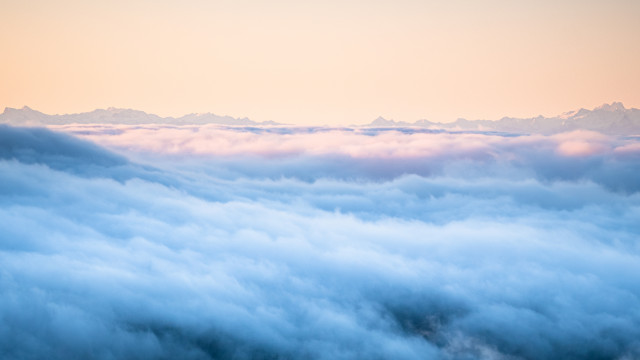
213	242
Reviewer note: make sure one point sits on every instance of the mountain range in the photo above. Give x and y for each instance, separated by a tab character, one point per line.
611	119
29	117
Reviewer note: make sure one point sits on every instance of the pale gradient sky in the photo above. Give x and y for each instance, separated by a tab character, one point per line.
321	62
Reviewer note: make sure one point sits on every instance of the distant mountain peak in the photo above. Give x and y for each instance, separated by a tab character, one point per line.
23	114
380	121
614	106
25	108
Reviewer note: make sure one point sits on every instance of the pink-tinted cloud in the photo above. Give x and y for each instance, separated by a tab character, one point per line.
211	140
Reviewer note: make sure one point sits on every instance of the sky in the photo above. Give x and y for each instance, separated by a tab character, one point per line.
330	62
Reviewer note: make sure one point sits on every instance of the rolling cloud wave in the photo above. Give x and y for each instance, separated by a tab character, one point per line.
223	243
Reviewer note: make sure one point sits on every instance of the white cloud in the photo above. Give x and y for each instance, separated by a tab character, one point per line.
302	257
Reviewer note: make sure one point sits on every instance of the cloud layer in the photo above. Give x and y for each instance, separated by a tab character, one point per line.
239	243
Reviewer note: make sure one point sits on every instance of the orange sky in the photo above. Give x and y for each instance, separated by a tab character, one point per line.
321	62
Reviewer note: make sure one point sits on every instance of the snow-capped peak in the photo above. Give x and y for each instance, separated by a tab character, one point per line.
614	106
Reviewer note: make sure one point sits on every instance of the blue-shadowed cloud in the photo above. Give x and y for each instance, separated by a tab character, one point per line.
481	247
